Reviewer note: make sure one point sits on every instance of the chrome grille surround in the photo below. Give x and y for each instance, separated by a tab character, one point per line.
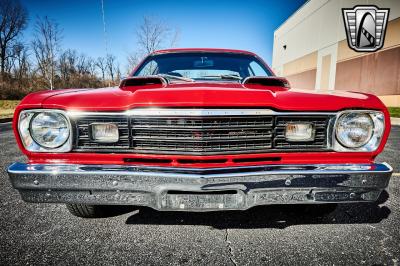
202	131
83	140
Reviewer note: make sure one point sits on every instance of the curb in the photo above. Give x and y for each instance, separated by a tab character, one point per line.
395	121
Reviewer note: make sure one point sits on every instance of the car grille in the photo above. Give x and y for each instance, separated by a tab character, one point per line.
201	135
320	124
84	142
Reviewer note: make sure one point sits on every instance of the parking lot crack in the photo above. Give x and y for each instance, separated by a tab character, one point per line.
230	248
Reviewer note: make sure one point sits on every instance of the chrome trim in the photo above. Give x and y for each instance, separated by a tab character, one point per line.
197	112
341	148
211	112
151	186
194	112
65	147
63	169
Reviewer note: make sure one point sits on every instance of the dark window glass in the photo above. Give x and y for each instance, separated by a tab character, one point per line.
204	66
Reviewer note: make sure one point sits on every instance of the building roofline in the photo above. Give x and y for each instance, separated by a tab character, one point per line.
295	12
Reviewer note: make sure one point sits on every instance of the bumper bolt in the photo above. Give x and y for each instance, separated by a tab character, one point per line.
352	195
115	183
364	181
36	182
288	182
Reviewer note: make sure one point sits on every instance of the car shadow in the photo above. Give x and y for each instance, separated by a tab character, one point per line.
273	216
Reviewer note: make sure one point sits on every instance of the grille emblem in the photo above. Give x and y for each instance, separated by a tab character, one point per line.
197	135
365	27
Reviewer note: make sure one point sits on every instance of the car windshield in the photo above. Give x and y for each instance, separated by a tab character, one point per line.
195	66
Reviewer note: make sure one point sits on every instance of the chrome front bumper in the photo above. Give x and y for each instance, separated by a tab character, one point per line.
199	189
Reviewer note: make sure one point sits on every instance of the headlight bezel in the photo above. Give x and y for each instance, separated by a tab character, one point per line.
378	119
30	144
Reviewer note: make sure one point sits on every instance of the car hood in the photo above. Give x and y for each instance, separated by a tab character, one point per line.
202	95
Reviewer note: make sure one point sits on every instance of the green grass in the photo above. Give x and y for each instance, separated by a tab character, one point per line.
7	108
394	111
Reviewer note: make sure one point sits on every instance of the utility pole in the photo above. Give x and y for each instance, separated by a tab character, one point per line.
105	32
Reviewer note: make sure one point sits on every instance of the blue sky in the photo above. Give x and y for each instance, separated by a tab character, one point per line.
247	25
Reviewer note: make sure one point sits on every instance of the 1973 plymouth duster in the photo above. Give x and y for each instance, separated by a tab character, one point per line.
199	130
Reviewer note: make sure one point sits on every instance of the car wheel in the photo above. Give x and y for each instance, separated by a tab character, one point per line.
86	211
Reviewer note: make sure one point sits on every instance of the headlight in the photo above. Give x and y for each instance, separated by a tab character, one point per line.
45	130
104	132
354	130
298	132
359	131
49	130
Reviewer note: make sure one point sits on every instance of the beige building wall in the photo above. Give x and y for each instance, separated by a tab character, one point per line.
325	71
311	50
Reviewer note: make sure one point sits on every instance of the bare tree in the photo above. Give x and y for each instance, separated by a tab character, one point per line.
13	18
133	61
82	64
118	72
46	46
66	64
111	66
77	70
91	66
22	67
101	64
153	35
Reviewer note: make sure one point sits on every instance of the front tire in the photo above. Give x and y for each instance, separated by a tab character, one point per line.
86	211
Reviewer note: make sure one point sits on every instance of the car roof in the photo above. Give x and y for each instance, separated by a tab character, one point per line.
212	50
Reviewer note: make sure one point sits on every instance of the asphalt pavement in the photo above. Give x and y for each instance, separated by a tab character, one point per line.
359	234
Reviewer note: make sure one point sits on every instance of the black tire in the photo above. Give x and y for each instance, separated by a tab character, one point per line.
86	211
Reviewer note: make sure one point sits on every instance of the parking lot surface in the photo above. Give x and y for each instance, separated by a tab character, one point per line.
47	234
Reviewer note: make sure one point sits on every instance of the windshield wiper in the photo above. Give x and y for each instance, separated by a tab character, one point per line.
235	77
167	76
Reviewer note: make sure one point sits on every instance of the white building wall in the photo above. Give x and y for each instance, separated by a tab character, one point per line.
318	26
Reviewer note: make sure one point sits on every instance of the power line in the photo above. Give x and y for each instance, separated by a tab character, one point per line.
105	32
104	27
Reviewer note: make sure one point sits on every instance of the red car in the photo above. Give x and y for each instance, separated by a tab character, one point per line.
199	130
